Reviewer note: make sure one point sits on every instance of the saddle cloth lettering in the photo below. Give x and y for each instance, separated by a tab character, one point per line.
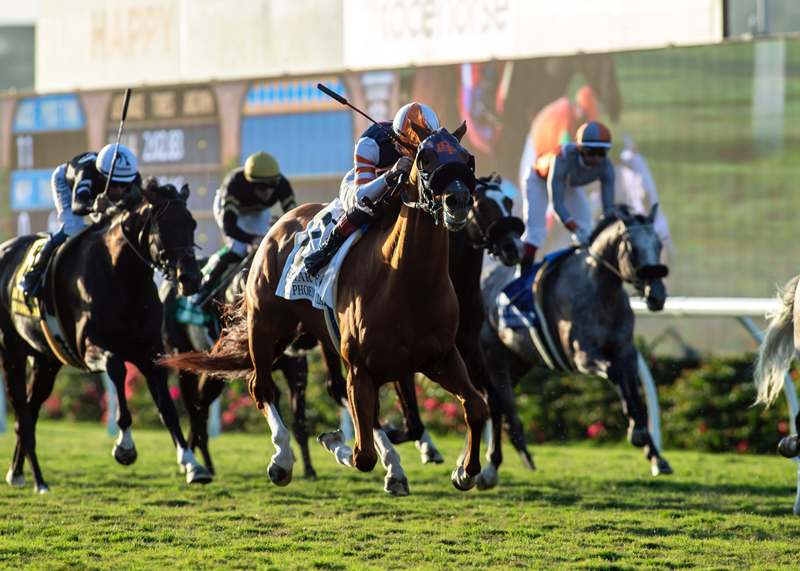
295	283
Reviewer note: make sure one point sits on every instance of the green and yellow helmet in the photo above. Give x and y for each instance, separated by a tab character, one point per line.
261	168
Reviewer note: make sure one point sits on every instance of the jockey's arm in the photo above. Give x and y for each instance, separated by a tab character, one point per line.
82	195
286	196
556	180
230	223
367	155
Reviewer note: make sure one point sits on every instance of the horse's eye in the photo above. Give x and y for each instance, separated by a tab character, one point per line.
428	159
464	157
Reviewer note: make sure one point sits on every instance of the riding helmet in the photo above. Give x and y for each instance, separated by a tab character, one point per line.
420	114
261	168
593	134
126	167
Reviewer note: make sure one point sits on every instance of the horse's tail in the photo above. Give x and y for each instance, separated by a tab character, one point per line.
777	349
230	355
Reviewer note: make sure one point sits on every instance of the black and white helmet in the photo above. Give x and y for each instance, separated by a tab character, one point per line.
126	168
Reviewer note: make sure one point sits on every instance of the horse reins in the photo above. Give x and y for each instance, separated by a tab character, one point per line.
636	283
160	265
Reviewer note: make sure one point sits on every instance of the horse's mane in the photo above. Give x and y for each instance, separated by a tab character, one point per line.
607	221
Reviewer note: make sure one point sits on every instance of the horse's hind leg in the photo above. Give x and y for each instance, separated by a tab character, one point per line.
262	336
413	429
13	360
451	373
623	374
209	389
157	383
295	369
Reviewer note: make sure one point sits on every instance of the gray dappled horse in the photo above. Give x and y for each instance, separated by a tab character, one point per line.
199	392
590	320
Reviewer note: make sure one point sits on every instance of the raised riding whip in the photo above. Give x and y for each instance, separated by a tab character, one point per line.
119	135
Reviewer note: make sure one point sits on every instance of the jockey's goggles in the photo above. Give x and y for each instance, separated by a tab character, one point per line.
593	151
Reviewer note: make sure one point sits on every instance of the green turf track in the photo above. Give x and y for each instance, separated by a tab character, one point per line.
585	508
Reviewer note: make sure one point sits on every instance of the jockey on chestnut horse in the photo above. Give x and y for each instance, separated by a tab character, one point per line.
395	307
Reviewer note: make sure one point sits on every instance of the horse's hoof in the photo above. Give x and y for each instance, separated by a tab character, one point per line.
197	474
15	479
279	476
527	461
123	456
788	446
461	481
487	479
330	439
432	456
660	467
310	474
638	436
396	486
41	489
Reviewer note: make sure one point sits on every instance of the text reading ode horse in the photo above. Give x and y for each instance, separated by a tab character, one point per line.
588	321
396	309
106	302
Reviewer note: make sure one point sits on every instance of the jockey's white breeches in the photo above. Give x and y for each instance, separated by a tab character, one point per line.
68	222
256	223
535	199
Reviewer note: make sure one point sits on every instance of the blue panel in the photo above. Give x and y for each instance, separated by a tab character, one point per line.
304	143
49	113
30	190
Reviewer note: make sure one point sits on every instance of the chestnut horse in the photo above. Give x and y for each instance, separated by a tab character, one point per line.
110	314
396	309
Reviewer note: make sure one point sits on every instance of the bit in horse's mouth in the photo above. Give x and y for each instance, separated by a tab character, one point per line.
452	225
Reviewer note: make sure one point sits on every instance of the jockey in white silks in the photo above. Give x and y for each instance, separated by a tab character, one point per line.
636	188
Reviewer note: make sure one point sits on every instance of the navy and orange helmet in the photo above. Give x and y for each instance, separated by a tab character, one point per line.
593	135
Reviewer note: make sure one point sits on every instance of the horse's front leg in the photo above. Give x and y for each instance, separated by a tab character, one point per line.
209	389
413	429
362	396
623	375
113	365
158	384
451	373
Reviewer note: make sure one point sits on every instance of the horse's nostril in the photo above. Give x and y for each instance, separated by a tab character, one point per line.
451	202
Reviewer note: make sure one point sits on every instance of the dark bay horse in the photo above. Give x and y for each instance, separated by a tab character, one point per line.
491	227
110	312
200	391
396	308
590	321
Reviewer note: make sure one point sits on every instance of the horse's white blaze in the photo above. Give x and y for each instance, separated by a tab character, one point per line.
125	440
389	456
280	438
499	198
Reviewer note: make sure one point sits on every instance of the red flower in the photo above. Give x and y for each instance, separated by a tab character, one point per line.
417	391
228	417
702	428
174	393
450	409
596	429
743	446
430	403
231	394
92	391
794	374
783	427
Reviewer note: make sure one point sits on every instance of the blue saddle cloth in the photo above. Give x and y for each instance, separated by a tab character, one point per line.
515	304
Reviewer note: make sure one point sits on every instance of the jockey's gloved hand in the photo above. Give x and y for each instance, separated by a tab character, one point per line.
402	166
580	236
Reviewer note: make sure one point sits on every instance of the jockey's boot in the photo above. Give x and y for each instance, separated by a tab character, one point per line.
30	281
527	260
219	265
348	224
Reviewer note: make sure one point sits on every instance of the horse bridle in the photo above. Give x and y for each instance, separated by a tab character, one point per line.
635	281
160	263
